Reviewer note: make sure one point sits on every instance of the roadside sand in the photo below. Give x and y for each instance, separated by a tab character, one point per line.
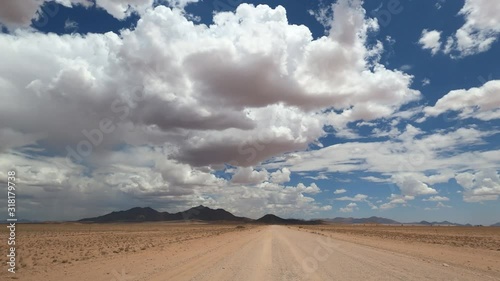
475	248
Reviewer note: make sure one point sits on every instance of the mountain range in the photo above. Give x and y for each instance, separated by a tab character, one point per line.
377	220
202	213
439	223
139	214
273	219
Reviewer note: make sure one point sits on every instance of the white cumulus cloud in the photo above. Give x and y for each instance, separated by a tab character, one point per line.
482	103
483	185
437	199
351	207
480	30
431	40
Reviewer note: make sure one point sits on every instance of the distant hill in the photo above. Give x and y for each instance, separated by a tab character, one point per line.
206	214
377	220
273	219
134	214
437	223
138	214
496	224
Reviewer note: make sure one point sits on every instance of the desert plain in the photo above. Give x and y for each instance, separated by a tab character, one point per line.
169	251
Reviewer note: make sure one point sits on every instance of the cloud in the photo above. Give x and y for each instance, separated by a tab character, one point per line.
406	67
356	198
483	185
426	82
247	175
437	199
439	205
141	176
319	176
442	205
431	40
411	186
339	191
323	15
396	200
329	67
406	153
480	30
181	4
281	176
70	25
121	9
20	14
375	179
481	103
12	139
191	93
312	189
351	207
412	161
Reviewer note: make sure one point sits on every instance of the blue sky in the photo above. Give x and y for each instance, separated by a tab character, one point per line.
300	108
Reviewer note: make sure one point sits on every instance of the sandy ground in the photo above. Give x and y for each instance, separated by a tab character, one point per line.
225	252
476	248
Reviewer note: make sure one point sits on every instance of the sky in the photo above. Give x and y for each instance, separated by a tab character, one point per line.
304	109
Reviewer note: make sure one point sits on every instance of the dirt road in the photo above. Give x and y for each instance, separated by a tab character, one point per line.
264	254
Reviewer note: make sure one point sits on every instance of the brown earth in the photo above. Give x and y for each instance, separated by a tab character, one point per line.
43	247
180	251
476	248
487	238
